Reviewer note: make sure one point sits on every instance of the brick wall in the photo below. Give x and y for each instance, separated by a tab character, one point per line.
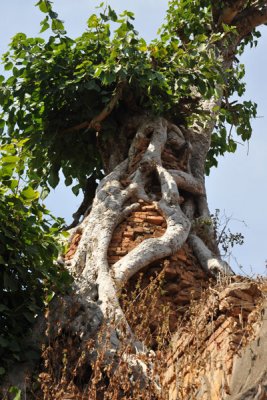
184	279
200	363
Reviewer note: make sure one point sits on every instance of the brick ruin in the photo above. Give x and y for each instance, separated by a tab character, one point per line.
201	362
184	279
222	316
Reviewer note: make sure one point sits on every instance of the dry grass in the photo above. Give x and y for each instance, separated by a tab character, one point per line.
72	369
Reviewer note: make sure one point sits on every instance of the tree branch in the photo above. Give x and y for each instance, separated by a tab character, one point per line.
225	14
187	182
249	19
207	259
95	123
232	9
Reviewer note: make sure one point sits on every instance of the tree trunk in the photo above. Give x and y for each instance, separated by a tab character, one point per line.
144	253
109	337
149	207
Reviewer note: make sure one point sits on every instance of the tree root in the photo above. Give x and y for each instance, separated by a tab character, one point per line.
207	259
142	176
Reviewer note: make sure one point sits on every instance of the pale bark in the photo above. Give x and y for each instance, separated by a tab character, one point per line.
114	202
132	169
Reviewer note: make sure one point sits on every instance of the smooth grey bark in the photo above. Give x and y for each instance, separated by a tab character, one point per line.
95	280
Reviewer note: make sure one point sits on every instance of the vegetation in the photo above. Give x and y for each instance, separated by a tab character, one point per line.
28	247
64	104
61	83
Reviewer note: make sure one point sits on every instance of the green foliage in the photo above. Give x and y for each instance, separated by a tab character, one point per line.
16	392
28	277
56	84
234	115
62	82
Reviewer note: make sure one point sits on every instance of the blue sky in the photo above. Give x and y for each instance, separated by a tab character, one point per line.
238	186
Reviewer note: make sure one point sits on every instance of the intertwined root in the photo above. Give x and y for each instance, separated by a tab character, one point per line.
157	171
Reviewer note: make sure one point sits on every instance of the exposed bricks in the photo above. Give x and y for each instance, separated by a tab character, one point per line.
155	220
140	225
73	246
184	279
170	161
204	351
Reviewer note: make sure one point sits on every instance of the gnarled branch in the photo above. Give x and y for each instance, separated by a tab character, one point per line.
187	182
232	9
249	19
95	123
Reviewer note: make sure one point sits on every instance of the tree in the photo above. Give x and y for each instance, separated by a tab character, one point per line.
136	126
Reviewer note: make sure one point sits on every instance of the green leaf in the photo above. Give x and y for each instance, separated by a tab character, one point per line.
44	6
65	234
53	15
57	26
75	189
29	194
49	297
93	21
112	15
10	159
2	371
68	181
16	391
44	193
45	24
53	178
14	184
8	66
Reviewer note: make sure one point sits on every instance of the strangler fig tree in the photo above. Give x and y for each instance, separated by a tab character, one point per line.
130	122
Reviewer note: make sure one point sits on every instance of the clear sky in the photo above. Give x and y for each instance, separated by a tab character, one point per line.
238	186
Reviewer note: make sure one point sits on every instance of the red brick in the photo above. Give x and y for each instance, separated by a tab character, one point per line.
125	241
76	238
155	220
139	229
171	288
135	219
153	214
139	214
116	236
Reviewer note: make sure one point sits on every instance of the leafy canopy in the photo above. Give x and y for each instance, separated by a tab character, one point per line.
61	82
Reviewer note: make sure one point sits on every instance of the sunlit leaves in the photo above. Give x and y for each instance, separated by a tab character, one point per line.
29	193
93	21
64	82
27	253
44	6
57	25
44	24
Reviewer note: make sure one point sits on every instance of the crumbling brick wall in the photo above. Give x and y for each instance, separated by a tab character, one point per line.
184	279
203	352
